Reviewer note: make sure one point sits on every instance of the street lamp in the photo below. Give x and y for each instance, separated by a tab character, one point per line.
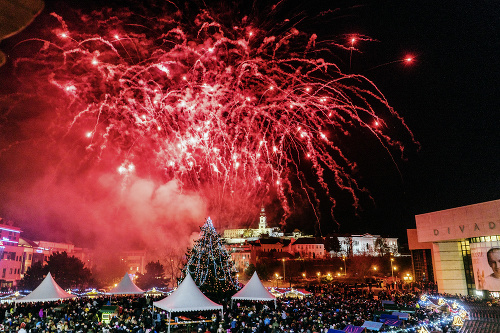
284	275
392	269
345	268
172	272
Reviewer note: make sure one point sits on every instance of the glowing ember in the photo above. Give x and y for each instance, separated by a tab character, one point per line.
231	113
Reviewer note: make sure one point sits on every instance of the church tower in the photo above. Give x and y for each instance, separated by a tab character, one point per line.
262	220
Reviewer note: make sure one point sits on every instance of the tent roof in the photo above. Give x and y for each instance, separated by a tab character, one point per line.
372	325
254	291
125	287
47	291
187	297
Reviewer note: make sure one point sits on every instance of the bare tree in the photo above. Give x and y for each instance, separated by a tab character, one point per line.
347	246
381	246
173	262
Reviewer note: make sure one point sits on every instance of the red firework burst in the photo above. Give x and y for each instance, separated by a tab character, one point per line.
235	113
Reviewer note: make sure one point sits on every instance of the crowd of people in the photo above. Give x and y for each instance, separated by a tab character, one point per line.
334	306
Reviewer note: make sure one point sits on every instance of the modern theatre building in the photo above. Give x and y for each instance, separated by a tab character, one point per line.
464	246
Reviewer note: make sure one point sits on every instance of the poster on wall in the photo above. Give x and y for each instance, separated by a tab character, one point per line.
486	265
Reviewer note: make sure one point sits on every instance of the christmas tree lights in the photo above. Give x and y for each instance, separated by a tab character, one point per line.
211	266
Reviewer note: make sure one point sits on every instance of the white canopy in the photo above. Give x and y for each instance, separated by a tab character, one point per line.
125	287
254	291
187	297
47	291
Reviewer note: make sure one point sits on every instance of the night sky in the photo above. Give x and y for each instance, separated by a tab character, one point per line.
448	97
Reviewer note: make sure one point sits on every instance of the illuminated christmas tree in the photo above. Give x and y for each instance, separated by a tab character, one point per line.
211	266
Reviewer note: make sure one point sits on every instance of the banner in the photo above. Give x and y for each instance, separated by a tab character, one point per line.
486	265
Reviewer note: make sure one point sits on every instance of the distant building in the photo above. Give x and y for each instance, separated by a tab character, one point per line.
18	254
240	254
276	248
135	261
309	247
233	236
421	257
264	240
367	244
11	259
31	254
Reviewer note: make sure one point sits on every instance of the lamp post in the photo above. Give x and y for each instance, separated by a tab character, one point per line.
392	269
284	275
172	272
345	267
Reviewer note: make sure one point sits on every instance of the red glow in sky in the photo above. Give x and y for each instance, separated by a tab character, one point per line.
198	111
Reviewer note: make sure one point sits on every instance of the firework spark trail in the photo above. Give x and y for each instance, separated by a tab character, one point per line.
229	112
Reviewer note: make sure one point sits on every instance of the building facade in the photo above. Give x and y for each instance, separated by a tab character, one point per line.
11	257
421	258
367	244
135	261
240	254
18	254
464	243
309	247
233	236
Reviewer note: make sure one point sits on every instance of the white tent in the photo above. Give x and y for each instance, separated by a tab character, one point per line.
125	287
254	290
187	297
47	291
